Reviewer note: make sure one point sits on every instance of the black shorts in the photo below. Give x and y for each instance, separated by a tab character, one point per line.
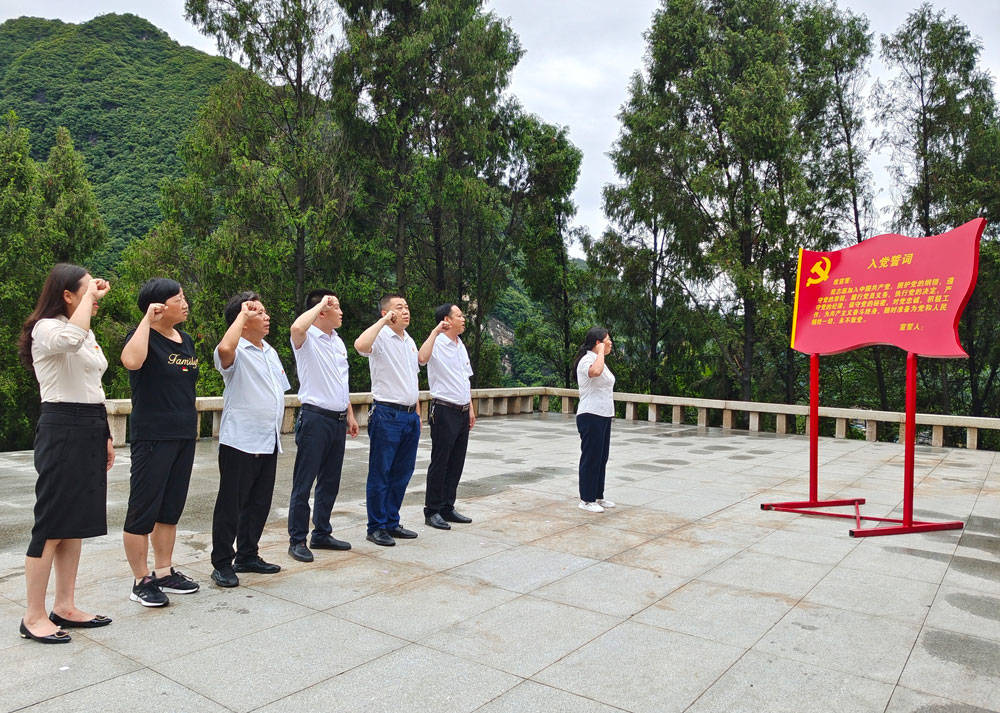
71	457
158	486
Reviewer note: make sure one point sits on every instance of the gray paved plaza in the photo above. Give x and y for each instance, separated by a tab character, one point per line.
686	597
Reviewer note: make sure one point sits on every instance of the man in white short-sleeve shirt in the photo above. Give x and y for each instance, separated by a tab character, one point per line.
321	430
394	423
451	416
249	439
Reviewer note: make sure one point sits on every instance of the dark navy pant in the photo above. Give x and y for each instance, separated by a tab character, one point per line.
595	444
394	437
320	457
449	442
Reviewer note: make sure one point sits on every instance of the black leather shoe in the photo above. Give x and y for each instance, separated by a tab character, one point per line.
455	516
256	565
401	533
326	542
300	552
381	537
60	637
225	577
97	621
436	521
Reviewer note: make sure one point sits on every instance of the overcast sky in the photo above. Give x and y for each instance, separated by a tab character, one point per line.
579	56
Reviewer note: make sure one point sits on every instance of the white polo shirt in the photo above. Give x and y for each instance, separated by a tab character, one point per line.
448	371
253	404
322	365
394	368
596	393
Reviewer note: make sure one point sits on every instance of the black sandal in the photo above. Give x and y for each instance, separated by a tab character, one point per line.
60	637
97	621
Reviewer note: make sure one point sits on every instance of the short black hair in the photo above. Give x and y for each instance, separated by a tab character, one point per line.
442	311
157	289
316	296
386	299
235	304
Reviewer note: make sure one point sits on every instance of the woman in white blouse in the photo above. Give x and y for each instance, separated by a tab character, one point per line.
593	417
73	448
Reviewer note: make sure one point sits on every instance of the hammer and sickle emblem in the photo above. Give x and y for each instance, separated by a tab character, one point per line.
821	269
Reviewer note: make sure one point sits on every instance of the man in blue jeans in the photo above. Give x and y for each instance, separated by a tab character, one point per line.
324	422
394	423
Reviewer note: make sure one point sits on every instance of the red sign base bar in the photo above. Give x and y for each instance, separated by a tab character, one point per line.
805	507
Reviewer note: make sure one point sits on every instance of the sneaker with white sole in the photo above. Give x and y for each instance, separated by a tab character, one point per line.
148	594
177	583
590	507
605	503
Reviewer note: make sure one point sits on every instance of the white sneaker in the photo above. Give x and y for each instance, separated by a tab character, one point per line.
605	503
591	507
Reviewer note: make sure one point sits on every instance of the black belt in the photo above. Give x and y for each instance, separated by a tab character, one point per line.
397	407
448	404
339	415
72	408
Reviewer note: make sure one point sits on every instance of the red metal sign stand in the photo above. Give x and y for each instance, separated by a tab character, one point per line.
907	524
805	507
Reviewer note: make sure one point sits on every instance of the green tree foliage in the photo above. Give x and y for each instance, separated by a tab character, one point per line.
449	167
941	120
47	214
548	172
125	90
731	158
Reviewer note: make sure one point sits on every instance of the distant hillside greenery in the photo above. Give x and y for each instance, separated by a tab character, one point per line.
126	92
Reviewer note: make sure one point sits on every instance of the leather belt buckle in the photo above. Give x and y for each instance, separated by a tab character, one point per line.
398	407
448	404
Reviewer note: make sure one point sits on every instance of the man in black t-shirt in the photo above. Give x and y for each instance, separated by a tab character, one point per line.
163	371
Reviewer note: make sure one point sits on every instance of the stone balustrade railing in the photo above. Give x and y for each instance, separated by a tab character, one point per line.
501	402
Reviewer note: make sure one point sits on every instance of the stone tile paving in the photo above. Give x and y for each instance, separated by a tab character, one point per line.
686	597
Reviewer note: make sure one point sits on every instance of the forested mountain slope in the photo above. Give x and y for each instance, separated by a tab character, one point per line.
126	92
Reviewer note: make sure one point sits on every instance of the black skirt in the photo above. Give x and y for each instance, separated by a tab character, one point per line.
71	457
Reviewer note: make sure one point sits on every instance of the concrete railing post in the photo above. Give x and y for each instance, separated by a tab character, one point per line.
702	417
841	431
653	413
780	423
677	415
117	424
630	410
871	430
937	436
754	421
287	421
971	438
727	418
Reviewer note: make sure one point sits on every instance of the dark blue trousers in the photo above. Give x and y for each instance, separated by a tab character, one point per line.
319	459
595	444
394	437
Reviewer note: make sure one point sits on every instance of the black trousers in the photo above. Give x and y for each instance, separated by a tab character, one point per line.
246	484
449	441
595	445
320	439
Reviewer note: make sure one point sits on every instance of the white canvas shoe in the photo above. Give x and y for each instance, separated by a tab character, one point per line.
605	503
591	507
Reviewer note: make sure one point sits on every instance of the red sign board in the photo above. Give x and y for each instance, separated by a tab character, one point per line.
890	289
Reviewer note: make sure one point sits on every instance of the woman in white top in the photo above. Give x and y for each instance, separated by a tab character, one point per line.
73	448
593	417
